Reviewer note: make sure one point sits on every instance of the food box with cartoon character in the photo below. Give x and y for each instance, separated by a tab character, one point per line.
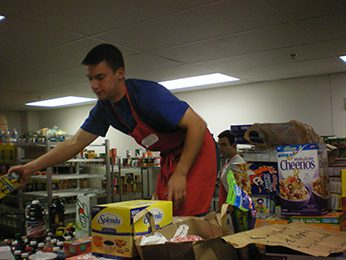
113	229
264	178
303	179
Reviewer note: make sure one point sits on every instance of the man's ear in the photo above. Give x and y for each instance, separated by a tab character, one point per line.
120	73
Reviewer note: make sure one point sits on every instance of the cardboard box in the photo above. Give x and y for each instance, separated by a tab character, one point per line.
270	220
264	178
211	247
83	214
332	221
264	205
303	179
343	183
77	247
113	226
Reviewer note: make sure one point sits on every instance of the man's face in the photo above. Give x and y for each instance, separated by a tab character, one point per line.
104	82
226	149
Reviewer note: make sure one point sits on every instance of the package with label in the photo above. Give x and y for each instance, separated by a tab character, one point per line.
264	178
264	205
113	226
343	183
303	178
77	247
83	214
8	183
330	221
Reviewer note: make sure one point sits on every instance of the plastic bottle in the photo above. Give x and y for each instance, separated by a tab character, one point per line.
56	213
35	221
40	247
17	254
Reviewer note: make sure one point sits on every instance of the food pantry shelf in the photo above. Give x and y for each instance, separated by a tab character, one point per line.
72	176
65	193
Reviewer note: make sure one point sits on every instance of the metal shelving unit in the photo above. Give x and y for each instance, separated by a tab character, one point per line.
93	171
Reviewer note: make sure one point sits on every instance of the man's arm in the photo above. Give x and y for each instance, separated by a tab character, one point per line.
195	130
62	152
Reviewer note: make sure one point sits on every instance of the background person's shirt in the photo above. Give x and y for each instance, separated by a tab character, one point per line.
236	159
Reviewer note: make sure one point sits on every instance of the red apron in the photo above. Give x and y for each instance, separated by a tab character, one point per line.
202	175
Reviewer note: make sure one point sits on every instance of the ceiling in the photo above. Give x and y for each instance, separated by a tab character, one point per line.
43	41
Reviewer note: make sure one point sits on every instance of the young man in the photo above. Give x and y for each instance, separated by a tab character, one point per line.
228	150
157	120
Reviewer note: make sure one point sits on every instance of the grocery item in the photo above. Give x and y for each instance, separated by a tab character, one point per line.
35	220
9	183
113	226
303	175
56	213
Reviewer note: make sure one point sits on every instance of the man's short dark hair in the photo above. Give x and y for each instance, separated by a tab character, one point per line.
228	134
105	52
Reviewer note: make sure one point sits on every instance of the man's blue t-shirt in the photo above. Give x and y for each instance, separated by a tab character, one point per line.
155	105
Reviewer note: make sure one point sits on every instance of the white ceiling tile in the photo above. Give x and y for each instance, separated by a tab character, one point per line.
89	16
147	62
279	36
326	28
215	20
162	74
338	47
278	56
293	69
31	39
302	9
14	6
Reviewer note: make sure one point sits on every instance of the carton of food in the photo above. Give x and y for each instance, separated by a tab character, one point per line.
8	183
113	226
303	179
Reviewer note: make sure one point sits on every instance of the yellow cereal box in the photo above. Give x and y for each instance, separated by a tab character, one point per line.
113	229
343	182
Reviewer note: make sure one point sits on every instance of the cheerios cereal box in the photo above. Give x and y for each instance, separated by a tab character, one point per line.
113	228
303	179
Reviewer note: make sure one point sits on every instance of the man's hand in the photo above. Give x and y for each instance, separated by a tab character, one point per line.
24	172
177	189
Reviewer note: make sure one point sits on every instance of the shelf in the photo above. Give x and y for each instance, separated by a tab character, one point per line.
85	160
72	176
63	193
11	209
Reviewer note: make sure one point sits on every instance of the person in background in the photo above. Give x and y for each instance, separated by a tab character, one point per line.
156	119
228	150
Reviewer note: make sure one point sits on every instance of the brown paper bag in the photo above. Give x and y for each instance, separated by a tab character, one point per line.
210	227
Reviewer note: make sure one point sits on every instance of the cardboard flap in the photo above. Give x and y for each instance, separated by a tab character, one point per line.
297	236
226	219
149	215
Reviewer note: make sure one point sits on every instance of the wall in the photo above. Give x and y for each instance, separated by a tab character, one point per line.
14	119
304	99
317	101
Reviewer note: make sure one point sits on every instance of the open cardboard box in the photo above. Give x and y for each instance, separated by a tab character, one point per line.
210	227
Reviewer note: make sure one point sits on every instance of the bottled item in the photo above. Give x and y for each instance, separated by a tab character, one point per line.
24	256
40	246
35	221
8	183
17	254
56	213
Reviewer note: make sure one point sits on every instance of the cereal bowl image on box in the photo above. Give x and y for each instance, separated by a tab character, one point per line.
293	193
320	191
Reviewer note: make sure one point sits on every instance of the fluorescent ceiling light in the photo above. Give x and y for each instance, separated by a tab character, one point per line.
62	101
343	58
2	17
197	81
